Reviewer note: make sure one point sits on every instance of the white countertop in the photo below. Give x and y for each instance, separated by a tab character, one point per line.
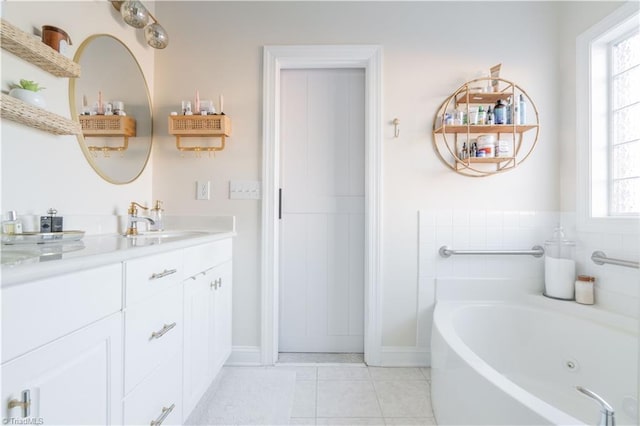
28	262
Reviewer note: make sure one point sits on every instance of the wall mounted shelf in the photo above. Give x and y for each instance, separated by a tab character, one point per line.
449	139
21	112
217	126
110	126
33	50
495	128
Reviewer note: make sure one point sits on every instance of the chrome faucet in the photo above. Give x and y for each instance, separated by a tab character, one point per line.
133	218
607	417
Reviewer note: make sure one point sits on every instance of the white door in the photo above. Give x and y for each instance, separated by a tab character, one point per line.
322	214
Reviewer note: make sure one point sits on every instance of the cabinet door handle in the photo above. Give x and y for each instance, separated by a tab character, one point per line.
219	282
162	274
25	404
163	331
165	413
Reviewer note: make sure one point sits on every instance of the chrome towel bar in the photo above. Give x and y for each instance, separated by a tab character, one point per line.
536	251
599	258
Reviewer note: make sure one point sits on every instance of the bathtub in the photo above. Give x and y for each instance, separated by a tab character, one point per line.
517	361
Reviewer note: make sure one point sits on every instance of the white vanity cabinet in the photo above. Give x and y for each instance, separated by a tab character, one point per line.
133	339
207	317
62	349
153	339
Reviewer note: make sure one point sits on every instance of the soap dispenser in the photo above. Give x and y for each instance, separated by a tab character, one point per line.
156	216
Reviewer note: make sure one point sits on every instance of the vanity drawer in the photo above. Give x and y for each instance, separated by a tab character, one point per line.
205	256
151	275
160	391
41	311
153	333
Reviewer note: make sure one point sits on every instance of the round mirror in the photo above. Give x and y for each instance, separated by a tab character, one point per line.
111	101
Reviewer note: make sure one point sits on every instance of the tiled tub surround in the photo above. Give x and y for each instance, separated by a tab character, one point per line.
617	288
481	230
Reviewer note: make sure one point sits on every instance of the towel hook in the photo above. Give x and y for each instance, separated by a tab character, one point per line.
396	127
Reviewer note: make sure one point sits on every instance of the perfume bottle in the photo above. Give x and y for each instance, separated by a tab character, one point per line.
12	225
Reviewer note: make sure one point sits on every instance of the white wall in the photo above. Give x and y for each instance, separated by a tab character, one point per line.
430	48
41	170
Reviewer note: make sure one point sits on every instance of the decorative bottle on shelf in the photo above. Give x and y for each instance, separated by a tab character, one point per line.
522	111
490	120
499	112
559	266
482	115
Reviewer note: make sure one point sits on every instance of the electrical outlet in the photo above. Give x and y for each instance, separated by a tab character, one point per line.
203	190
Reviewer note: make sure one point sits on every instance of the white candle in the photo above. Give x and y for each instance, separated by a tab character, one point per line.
221	104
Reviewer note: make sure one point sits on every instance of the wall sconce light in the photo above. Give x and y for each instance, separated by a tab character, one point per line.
135	14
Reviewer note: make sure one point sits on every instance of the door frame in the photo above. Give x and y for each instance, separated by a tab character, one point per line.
275	59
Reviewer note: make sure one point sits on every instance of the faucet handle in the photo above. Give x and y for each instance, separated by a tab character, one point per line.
134	210
607	415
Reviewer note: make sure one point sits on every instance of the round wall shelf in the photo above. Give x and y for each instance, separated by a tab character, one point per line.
456	128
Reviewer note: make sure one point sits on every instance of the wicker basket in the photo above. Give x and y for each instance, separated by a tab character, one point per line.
31	49
199	125
108	125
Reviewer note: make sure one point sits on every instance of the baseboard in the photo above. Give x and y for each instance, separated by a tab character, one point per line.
390	356
244	355
404	356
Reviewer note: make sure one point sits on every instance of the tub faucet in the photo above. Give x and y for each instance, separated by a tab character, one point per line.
607	417
133	219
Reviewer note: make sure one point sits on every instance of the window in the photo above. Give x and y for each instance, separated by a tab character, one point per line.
624	119
608	122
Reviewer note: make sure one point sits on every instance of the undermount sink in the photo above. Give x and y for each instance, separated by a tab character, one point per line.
158	237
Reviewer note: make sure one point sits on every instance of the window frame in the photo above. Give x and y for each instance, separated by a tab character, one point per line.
593	166
628	33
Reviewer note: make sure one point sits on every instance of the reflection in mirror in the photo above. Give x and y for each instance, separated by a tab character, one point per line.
112	83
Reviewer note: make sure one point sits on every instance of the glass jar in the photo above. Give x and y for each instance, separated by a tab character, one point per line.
584	289
559	266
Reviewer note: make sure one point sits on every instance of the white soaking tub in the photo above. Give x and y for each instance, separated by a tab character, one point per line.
518	361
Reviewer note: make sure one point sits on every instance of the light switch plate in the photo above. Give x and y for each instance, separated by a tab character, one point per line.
244	190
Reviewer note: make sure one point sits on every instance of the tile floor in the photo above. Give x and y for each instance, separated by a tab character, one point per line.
359	395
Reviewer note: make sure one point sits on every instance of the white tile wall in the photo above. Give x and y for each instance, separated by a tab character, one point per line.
617	288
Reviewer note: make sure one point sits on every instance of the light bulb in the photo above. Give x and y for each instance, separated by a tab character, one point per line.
156	36
134	13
